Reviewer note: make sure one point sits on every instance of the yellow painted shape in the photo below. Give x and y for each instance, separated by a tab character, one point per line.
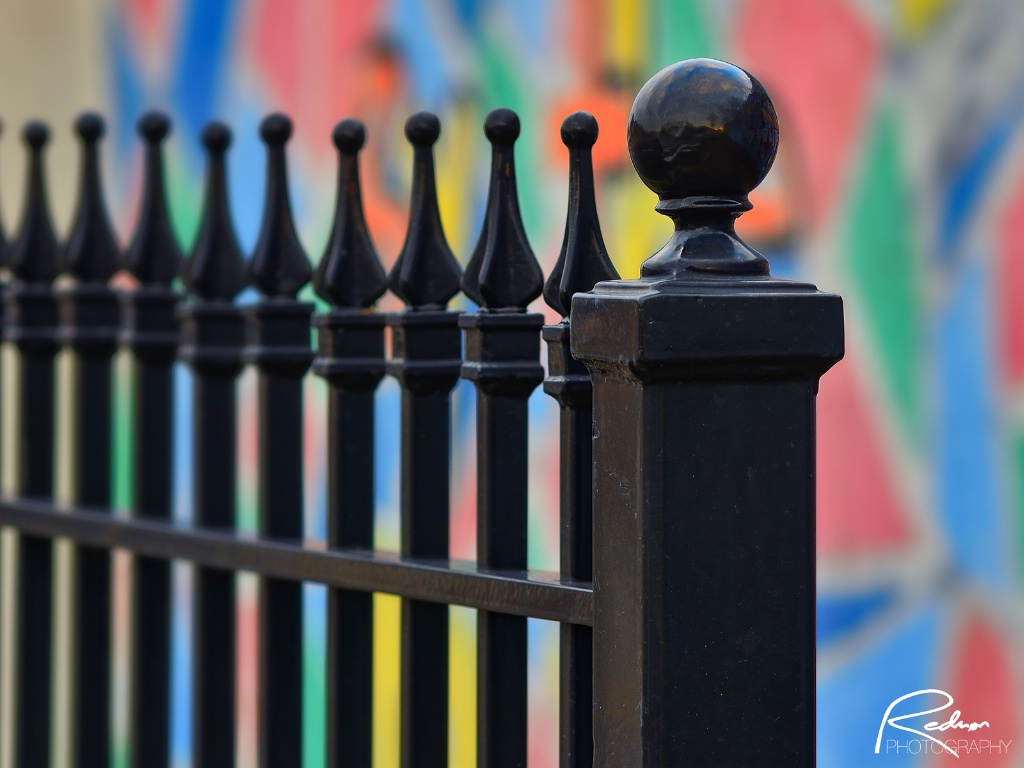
916	17
462	687
387	619
628	42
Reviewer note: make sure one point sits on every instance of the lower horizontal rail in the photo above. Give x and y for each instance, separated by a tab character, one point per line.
537	594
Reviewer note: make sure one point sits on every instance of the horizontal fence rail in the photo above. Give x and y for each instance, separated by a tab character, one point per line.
537	594
685	590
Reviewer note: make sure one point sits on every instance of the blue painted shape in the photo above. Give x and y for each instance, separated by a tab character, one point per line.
129	94
838	616
969	181
387	449
246	166
181	637
205	34
966	430
181	668
533	17
468	12
783	260
424	54
852	700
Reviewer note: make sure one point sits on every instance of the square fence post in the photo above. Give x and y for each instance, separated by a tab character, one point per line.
705	372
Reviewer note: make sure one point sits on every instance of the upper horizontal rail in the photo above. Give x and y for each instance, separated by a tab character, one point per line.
537	594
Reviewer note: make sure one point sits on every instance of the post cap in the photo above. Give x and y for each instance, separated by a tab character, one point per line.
702	127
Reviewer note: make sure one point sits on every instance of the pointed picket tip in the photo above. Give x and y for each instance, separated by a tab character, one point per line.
279	266
503	273
349	274
583	260
34	254
215	270
153	256
91	254
426	274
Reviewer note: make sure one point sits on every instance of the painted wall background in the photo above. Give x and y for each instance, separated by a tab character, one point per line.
900	184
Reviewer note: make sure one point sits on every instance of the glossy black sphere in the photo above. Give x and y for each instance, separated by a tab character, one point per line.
702	127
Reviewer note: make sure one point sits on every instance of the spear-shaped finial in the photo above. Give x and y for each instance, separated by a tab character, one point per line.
503	272
34	256
279	266
153	256
91	253
583	260
350	274
426	274
215	270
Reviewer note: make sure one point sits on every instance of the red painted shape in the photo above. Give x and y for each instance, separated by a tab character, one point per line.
982	689
858	508
1011	285
275	49
817	58
146	12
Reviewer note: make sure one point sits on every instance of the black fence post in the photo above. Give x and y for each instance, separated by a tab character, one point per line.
90	320
212	338
151	333
351	358
31	325
583	261
278	344
705	372
502	350
426	354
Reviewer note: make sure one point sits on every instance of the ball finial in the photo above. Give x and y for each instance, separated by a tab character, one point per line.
702	127
216	137
579	130
154	126
422	129
501	126
36	134
349	136
90	127
276	129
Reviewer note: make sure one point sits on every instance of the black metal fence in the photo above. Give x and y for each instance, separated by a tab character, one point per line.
686	591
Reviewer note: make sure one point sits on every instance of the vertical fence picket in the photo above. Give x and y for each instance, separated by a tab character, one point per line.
583	261
502	350
151	333
31	325
278	344
351	358
212	338
90	319
425	359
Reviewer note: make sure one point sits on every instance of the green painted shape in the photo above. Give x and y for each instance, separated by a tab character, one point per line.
123	447
184	204
314	686
503	86
880	259
679	30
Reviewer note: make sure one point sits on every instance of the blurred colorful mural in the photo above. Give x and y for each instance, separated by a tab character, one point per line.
899	184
